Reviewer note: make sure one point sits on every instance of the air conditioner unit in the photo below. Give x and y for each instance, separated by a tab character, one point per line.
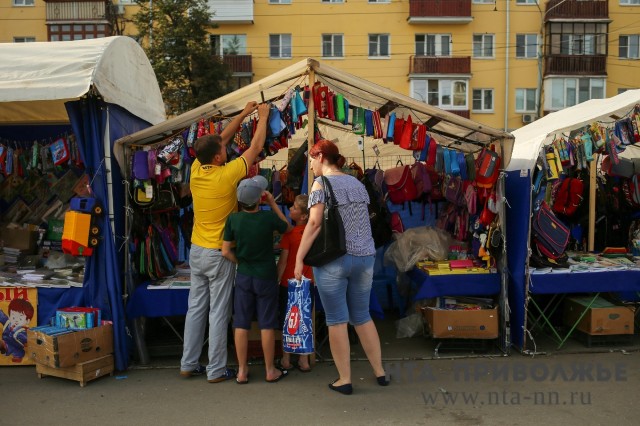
119	9
529	118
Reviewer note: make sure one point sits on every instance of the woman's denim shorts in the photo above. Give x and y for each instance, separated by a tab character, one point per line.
344	286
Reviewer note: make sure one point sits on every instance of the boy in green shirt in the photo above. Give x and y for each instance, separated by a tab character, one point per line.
256	285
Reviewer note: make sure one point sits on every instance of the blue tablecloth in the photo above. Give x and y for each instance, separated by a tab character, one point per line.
168	302
454	285
51	299
157	303
585	282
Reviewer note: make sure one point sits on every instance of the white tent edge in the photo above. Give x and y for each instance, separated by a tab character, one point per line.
36	79
530	138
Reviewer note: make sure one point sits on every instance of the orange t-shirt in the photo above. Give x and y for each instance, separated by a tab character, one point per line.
291	242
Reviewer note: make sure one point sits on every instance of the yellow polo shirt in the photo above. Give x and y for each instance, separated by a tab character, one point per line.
214	199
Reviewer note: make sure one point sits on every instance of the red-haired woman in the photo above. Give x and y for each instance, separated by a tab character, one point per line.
345	283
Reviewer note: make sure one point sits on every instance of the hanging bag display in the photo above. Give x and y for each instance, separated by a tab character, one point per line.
568	196
550	234
487	168
400	184
330	242
358	121
59	151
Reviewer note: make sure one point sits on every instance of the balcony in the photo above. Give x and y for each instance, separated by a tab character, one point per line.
576	10
439	65
440	11
75	11
231	11
575	64
240	65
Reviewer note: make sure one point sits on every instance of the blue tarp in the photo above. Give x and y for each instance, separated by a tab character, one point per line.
103	273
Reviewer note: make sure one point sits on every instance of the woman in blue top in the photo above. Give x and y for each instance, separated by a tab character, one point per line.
345	283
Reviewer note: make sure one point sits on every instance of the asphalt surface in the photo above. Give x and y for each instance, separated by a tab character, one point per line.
569	389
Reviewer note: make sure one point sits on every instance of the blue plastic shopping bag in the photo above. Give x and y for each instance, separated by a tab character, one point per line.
297	332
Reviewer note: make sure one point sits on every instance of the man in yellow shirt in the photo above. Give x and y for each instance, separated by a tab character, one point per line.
213	186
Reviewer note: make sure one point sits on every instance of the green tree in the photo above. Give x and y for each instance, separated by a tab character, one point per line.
174	35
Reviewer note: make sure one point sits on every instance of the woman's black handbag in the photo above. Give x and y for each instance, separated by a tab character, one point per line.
330	242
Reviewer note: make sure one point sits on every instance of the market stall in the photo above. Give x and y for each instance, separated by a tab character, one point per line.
361	116
62	105
593	143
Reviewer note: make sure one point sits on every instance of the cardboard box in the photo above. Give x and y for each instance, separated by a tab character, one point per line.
21	239
82	373
67	350
462	324
254	349
603	318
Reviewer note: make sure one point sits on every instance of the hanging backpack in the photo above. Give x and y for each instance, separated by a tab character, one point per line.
400	184
568	196
487	168
550	235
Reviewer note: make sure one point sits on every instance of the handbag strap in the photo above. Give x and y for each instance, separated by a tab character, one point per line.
332	197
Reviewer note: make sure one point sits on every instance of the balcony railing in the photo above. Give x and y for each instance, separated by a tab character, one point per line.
576	64
576	10
75	11
239	64
439	65
455	11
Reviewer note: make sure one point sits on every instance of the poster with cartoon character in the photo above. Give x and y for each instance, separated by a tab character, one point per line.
18	313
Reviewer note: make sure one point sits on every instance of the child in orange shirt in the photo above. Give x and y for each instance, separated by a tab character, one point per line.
299	213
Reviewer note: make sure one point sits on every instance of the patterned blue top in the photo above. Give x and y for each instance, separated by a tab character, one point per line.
353	200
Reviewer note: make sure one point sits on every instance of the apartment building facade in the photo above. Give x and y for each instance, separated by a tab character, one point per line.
499	62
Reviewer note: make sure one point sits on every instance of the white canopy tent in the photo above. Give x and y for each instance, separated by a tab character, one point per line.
36	79
530	138
448	128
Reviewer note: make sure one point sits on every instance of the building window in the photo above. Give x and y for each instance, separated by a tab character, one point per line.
623	2
526	45
577	38
279	1
279	46
229	44
483	45
620	91
433	44
484	1
526	100
24	39
332	1
526	1
629	46
23	2
447	94
566	92
379	45
482	100
379	1
67	32
332	46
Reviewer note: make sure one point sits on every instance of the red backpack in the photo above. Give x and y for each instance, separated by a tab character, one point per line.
568	197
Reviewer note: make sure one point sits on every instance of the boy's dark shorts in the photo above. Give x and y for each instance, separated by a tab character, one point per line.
255	297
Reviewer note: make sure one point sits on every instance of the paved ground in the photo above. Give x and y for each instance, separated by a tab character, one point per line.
570	389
